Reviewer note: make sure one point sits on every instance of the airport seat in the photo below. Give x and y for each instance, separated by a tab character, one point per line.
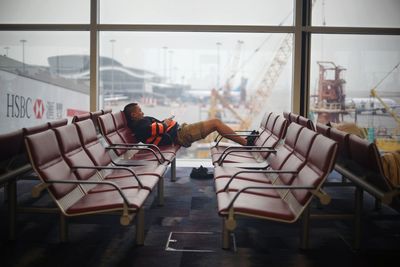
323	129
275	160
81	117
303	121
57	123
130	150
284	166
75	155
265	130
67	191
100	157
293	117
93	116
127	137
285	199
239	157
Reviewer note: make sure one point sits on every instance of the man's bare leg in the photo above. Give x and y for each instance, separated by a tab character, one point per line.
213	125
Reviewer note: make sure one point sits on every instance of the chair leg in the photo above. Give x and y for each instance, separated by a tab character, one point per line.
173	170
357	217
140	227
225	235
63	228
11	193
378	205
305	233
160	192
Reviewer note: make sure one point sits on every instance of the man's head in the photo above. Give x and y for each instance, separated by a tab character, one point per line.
133	111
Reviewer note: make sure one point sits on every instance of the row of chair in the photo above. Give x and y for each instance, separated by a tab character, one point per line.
295	168
96	170
14	165
360	161
82	178
296	118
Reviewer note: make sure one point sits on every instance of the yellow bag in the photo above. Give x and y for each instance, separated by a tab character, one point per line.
391	166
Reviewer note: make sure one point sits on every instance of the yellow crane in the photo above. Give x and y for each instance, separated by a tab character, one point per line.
386	144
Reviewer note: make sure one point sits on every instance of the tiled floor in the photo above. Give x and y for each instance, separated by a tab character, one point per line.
190	206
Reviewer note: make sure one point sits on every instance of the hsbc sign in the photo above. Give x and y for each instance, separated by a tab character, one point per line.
26	102
22	107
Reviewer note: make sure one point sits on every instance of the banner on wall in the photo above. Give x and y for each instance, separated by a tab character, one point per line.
25	102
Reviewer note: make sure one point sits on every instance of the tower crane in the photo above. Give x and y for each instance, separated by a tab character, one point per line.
269	78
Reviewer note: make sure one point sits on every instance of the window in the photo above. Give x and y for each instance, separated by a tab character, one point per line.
206	12
44	11
357	64
356	13
176	73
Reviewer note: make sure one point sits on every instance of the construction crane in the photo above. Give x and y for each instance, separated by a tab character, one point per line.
390	111
233	69
263	89
268	81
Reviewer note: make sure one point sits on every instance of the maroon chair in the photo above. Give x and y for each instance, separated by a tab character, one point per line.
288	202
275	160
258	155
294	117
122	127
303	121
128	150
35	129
323	129
81	117
342	138
93	116
67	191
57	123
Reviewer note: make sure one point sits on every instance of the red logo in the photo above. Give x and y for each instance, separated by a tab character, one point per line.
38	108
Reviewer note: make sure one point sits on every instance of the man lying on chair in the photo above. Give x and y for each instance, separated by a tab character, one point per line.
150	130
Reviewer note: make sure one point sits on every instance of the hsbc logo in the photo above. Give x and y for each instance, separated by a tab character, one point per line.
38	108
22	107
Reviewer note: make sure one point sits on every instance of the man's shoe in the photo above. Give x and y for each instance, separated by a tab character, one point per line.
201	173
252	138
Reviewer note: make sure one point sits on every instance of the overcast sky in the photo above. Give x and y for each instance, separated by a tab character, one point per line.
192	57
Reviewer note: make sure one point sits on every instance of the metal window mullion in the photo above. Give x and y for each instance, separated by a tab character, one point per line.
351	30
44	27
196	28
94	54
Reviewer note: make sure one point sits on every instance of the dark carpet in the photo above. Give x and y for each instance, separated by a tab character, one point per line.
190	212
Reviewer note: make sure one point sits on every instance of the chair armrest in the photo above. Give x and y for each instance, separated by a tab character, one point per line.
124	147
267	187
255	171
223	156
126	201
220	137
110	168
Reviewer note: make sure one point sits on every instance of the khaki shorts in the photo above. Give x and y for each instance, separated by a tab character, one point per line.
189	133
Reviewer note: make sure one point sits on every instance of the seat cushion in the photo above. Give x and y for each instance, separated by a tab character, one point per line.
108	201
255	205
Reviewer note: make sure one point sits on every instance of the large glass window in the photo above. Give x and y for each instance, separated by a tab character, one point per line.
184	73
356	13
206	12
44	76
356	79
44	11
